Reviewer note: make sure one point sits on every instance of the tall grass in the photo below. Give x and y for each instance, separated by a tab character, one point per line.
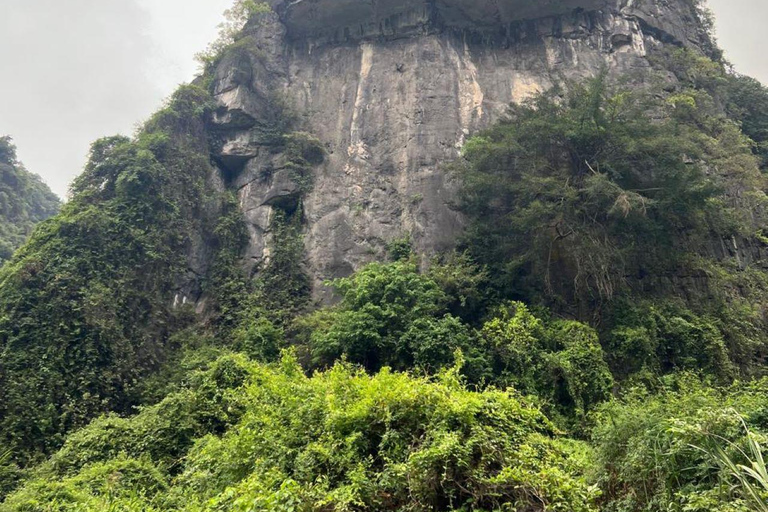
752	476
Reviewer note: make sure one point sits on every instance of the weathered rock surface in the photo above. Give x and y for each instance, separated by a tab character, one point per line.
354	19
393	88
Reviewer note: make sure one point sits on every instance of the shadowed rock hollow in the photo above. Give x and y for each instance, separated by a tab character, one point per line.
393	89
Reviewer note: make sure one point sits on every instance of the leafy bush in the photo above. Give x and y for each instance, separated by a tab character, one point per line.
744	98
387	442
560	361
394	315
163	432
340	440
752	475
235	18
654	450
586	199
121	484
748	104
659	338
303	152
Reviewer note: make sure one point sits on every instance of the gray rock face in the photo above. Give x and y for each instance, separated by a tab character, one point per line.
355	19
393	89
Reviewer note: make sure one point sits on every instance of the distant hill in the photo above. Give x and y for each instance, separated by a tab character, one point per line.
25	200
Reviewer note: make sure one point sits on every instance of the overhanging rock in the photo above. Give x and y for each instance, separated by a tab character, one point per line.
352	19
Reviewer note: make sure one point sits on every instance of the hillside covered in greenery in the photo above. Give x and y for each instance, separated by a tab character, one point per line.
24	200
597	342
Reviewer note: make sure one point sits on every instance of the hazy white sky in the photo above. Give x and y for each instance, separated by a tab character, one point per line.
741	33
72	71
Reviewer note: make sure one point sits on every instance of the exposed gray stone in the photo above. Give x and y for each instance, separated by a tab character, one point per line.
337	19
394	88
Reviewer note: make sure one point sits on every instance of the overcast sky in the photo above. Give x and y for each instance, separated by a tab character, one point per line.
72	71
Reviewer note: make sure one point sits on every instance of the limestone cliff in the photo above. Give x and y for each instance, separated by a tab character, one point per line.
393	88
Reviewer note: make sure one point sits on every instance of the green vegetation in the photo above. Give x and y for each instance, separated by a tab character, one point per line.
655	451
392	315
86	306
748	104
575	197
598	345
752	475
604	205
24	201
247	436
90	305
235	18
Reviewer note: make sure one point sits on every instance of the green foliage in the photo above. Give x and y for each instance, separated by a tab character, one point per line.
466	285
259	338
86	306
748	104
606	205
559	361
252	313
379	305
282	287
400	249
125	463
579	376
122	484
303	152
570	197
594	197
227	285
164	432
752	475
655	451
340	440
745	100
236	17
659	338
24	201
392	315
514	335
694	70
192	349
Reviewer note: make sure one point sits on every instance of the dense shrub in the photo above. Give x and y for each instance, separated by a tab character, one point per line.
640	213
121	484
654	451
748	104
340	440
660	338
592	196
393	315
378	306
559	361
230	31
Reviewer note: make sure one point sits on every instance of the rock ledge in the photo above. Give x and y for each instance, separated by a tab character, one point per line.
355	19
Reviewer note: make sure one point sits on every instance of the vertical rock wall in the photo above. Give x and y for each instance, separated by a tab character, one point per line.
394	100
